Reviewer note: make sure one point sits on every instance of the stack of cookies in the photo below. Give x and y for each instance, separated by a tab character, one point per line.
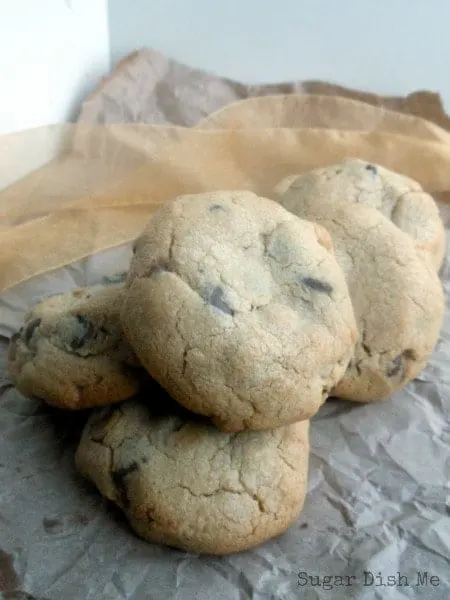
238	318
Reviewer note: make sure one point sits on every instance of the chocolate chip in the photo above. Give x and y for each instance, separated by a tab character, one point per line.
83	332
216	208
30	328
119	476
317	285
410	354
366	349
395	367
217	299
371	168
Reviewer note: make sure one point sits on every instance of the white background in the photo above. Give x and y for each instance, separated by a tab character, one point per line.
52	52
386	46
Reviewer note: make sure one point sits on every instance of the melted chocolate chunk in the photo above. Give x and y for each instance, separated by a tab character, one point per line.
83	332
395	367
30	328
216	208
372	169
317	285
410	354
217	299
366	349
119	479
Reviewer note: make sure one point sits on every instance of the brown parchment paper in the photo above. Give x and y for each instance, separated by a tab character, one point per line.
378	491
175	161
319	111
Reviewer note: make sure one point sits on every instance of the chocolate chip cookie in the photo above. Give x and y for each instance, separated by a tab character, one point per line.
71	351
399	198
239	309
397	296
182	482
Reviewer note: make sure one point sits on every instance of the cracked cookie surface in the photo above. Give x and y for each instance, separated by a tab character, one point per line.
184	483
71	351
397	197
239	309
397	296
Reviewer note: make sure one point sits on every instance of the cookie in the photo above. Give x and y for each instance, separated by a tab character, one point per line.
71	351
239	309
184	483
397	296
399	198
